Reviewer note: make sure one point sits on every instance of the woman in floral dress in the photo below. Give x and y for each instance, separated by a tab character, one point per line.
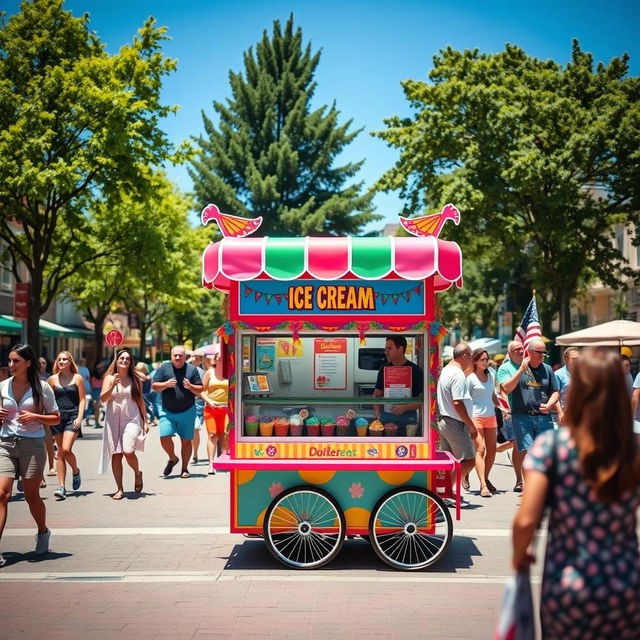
591	582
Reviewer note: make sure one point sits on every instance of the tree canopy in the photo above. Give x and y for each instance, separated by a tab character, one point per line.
78	126
271	154
542	159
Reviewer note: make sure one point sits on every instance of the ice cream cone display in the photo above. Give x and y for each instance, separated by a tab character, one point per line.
251	425
362	427
281	427
304	414
266	426
412	430
327	427
390	429
376	428
351	414
295	426
313	427
343	424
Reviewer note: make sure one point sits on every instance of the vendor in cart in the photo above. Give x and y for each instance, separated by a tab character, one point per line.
401	414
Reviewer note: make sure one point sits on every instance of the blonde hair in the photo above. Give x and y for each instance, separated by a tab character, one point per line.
142	367
72	363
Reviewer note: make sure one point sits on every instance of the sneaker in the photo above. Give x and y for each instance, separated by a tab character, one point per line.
60	493
77	480
42	542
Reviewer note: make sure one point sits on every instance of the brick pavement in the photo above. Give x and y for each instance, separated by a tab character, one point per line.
163	565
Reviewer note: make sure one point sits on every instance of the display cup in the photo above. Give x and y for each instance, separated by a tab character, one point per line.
362	431
295	429
376	432
313	430
391	430
342	429
412	430
328	430
251	428
266	429
281	430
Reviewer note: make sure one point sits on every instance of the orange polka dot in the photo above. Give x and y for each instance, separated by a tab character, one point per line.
357	517
246	476
395	477
316	477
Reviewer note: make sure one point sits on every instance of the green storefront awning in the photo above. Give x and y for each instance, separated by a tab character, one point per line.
10	326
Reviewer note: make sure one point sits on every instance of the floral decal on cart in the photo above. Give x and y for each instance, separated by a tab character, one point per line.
275	489
356	490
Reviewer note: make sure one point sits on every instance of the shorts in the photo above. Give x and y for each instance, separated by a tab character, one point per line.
455	437
66	423
489	422
95	394
181	423
199	423
22	457
527	428
216	419
507	429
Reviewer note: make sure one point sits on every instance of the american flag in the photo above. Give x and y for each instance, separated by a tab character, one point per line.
530	326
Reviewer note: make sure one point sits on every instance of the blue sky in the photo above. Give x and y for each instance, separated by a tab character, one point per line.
368	48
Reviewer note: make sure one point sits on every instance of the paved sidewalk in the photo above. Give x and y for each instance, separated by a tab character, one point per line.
162	564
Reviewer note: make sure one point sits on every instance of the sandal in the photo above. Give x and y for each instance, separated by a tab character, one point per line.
43	483
491	487
185	474
118	495
465	483
518	487
485	493
137	487
169	467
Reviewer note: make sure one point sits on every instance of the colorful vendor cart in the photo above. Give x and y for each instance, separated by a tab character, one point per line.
314	457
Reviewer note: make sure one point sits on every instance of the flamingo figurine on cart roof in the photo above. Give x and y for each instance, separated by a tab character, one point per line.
432	224
230	226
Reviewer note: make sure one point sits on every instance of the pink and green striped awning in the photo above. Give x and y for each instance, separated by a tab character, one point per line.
415	258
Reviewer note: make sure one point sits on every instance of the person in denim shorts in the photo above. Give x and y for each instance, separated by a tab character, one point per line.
28	404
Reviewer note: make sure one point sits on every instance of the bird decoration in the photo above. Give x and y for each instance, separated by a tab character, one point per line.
230	226
432	224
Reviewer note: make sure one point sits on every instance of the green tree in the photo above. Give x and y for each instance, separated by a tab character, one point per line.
78	126
539	157
165	276
272	155
198	322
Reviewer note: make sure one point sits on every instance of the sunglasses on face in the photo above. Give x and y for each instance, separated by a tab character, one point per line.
542	353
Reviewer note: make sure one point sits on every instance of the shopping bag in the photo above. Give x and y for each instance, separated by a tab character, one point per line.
516	621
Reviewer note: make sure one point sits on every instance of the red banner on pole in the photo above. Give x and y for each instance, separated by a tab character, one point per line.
21	301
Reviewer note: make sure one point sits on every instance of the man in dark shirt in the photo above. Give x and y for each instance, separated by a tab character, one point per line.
179	384
401	414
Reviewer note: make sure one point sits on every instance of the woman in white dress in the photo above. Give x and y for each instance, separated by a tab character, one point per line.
125	421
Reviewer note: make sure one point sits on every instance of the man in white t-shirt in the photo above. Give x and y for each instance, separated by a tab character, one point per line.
455	408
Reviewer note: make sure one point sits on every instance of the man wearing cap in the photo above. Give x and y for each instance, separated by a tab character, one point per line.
533	389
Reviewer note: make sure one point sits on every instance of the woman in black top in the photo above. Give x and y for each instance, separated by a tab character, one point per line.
68	387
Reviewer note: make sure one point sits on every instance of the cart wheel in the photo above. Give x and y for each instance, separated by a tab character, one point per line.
410	528
304	528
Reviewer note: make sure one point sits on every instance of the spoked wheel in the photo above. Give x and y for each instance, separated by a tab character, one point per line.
304	528
410	528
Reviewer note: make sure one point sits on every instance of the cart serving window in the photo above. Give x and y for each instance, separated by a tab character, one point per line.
332	354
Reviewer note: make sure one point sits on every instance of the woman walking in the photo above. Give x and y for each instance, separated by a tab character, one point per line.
216	396
125	422
481	385
68	388
589	472
27	405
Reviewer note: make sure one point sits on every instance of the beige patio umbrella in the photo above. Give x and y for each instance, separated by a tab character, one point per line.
609	334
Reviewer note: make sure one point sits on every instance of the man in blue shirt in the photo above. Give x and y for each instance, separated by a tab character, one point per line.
563	377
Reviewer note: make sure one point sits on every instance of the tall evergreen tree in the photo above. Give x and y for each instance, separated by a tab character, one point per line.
271	154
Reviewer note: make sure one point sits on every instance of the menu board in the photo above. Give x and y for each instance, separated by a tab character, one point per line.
266	354
397	384
330	364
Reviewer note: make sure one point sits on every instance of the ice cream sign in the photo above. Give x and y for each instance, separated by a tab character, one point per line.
317	298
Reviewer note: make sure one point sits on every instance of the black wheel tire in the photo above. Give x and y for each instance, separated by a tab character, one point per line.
410	549
319	548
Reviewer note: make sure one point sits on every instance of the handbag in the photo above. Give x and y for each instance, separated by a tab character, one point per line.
516	621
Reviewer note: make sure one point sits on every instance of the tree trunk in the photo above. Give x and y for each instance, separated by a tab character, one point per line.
564	304
143	340
33	313
98	334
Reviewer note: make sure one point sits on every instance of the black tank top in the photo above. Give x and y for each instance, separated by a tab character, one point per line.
68	397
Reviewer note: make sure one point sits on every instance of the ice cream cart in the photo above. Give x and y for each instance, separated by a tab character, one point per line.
310	462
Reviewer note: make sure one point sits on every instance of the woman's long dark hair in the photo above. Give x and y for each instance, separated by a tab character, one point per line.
26	351
599	418
136	379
